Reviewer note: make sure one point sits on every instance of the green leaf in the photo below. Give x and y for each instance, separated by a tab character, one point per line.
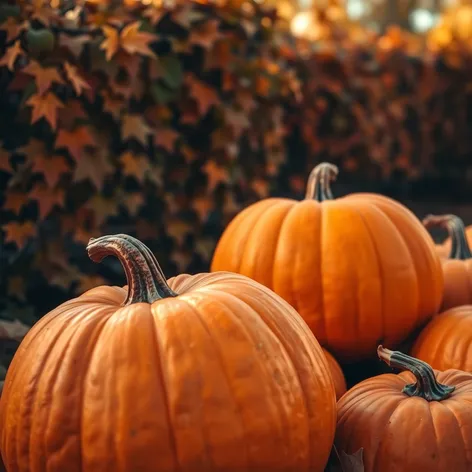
40	41
162	94
173	74
9	11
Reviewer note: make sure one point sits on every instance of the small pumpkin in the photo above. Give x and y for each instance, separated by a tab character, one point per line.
446	341
337	375
457	267
418	420
205	372
358	269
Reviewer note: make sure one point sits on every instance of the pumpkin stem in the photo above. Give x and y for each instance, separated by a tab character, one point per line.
455	227
426	385
146	281
318	187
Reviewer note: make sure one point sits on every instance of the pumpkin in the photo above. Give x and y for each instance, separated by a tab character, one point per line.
336	374
446	342
418	420
358	269
457	267
205	372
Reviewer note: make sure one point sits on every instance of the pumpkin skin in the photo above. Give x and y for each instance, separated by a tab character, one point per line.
337	375
457	267
409	427
446	341
358	269
224	376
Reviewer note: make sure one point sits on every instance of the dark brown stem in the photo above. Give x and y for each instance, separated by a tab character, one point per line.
455	227
426	385
318	186
146	281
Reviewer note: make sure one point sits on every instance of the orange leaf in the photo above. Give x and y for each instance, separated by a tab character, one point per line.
19	233
45	106
205	96
11	55
75	79
133	202
215	175
134	126
165	138
15	201
75	141
5	161
47	199
44	77
135	42
51	168
111	105
135	166
111	43
206	34
12	28
93	167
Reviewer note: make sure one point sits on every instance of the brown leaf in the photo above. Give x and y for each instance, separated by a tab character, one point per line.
68	117
19	233
146	230
44	77
133	202
205	96
87	282
65	278
16	287
205	35
5	160
134	126
11	55
165	138
45	106
12	28
75	79
215	175
203	206
102	208
112	105
75	44
93	166
51	168
47	199
15	201
136	166
75	141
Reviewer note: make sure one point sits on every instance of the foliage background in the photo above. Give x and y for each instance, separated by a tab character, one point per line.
119	117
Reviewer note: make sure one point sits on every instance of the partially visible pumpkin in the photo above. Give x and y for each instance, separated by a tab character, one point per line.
359	269
419	420
337	375
206	372
457	267
446	342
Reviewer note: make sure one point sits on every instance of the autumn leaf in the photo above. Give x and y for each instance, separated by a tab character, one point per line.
11	55
146	231
94	167
133	202
5	160
75	44
12	28
75	79
16	287
134	127
136	166
44	76
87	282
205	96
15	201
111	43
75	141
165	138
19	233
51	168
215	174
102	208
112	105
205	35
46	198
203	206
45	106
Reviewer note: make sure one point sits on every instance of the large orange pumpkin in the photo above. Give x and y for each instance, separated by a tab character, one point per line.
208	372
337	375
359	269
446	342
457	266
409	427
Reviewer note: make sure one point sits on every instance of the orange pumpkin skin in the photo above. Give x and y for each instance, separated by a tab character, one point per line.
224	376
446	341
337	375
358	269
457	266
424	426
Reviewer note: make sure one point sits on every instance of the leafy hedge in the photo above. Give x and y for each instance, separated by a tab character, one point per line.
119	117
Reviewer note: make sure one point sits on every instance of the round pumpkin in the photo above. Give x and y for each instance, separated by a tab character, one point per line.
359	269
206	372
446	341
337	375
418	420
457	267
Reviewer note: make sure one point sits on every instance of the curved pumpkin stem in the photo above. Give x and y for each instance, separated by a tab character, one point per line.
318	186
426	385
455	227
146	281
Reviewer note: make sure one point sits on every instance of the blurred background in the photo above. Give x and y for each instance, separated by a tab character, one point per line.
163	119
